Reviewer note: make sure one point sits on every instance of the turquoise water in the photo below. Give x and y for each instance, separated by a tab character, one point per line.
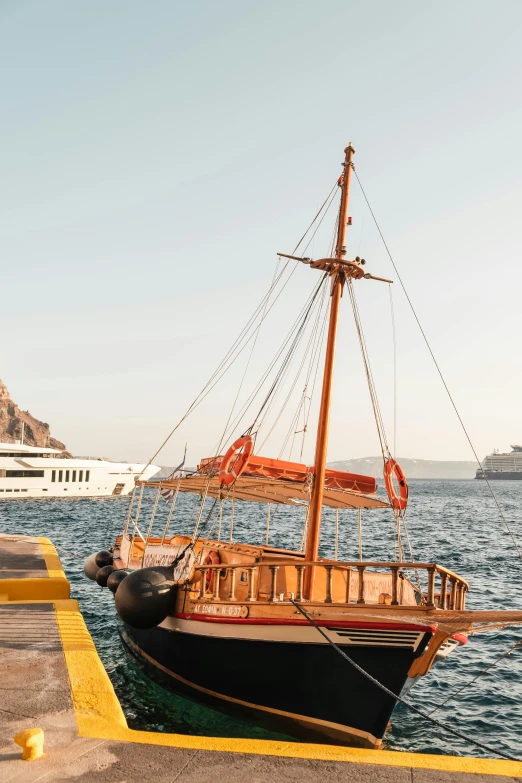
454	523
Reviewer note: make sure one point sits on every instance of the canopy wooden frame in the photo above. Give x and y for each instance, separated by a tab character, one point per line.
263	490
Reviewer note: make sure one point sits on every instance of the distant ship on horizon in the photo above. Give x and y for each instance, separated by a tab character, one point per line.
507	467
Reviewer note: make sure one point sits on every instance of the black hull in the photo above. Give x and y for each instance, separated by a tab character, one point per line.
500	475
304	690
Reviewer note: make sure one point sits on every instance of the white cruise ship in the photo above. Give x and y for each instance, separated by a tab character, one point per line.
37	472
502	466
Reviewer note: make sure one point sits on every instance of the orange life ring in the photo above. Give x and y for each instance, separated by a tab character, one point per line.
392	468
211	559
226	474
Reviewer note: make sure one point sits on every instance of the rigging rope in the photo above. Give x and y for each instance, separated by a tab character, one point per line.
310	345
369	376
487	748
210	383
273	362
470	682
218	448
286	362
394	374
439	371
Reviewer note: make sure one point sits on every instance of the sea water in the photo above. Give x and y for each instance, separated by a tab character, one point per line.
453	523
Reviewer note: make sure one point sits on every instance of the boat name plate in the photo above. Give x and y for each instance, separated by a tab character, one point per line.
222	610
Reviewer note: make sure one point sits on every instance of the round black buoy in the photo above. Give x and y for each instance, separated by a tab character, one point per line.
103	574
103	558
115	579
145	597
90	569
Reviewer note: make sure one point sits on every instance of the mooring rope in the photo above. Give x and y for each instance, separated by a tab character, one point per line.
427	716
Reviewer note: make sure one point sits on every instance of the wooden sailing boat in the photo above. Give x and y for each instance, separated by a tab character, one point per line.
229	624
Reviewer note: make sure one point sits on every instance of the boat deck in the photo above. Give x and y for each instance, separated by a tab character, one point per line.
53	679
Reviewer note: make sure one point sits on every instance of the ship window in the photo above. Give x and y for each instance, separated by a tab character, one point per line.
60	475
53	476
80	475
87	475
67	475
73	476
24	473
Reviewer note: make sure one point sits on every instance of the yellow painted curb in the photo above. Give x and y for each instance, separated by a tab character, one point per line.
52	560
34	589
99	715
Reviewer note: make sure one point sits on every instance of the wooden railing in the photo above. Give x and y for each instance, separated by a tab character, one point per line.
451	592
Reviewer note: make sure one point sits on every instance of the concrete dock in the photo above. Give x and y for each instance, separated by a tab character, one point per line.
53	679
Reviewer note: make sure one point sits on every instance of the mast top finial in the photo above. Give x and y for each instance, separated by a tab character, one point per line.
350	147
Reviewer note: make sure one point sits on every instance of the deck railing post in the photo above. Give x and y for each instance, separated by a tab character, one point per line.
328	599
251	583
348	584
395	585
232	595
431	587
273	579
443	589
453	592
299	583
459	595
361	570
215	591
202	585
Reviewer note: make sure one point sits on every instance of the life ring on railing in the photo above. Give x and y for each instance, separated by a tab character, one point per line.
211	559
392	468
228	476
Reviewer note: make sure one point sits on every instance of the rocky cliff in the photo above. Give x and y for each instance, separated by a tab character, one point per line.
36	433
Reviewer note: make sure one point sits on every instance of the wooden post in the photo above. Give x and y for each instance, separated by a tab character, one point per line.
273	579
453	592
395	584
459	601
251	582
348	584
203	575
431	587
299	583
232	595
361	570
443	589
215	593
316	500
328	599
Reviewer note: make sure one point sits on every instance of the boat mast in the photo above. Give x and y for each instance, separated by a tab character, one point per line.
338	280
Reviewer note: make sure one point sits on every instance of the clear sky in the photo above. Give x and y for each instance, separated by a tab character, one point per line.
155	156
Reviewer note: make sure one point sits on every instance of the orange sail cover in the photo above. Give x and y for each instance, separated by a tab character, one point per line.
295	471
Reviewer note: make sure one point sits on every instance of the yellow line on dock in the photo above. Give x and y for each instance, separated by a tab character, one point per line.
52	560
99	715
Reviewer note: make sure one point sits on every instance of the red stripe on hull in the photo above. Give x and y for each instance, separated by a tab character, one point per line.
326	623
